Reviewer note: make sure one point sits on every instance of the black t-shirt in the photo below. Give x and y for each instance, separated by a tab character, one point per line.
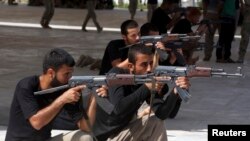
178	62
24	105
160	19
183	26
127	99
152	1
114	50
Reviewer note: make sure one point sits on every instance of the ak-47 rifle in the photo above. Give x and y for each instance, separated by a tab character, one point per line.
167	38
171	41
93	82
162	74
192	71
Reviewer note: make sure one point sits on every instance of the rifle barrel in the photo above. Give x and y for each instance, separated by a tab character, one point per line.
227	74
51	90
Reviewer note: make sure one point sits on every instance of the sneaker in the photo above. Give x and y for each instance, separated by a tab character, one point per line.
229	60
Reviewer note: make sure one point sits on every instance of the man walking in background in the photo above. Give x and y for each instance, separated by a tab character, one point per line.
91	14
48	13
151	5
132	8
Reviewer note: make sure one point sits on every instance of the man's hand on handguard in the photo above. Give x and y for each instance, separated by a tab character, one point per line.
157	87
102	91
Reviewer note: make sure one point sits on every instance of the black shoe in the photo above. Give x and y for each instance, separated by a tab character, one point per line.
47	27
84	30
229	60
44	25
99	30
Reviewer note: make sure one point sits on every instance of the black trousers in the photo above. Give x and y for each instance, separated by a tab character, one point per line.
226	37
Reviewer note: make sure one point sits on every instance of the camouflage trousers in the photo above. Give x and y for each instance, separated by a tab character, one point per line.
245	33
49	11
209	36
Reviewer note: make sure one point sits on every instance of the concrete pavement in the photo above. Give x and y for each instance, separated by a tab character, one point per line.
214	100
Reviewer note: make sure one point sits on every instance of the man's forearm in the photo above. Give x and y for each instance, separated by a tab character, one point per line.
46	115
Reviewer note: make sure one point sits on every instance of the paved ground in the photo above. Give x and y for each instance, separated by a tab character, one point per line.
214	100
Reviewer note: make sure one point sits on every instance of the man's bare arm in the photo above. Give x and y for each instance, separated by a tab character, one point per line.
47	114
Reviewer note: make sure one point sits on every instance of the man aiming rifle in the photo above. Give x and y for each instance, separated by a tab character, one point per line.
32	116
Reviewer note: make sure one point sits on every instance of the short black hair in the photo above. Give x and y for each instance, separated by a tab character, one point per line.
57	57
139	48
128	24
146	28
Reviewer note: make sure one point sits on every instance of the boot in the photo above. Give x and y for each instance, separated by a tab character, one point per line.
96	65
80	60
87	61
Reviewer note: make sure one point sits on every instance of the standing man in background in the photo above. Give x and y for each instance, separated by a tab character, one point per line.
91	14
245	30
48	13
151	5
132	8
227	10
210	12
